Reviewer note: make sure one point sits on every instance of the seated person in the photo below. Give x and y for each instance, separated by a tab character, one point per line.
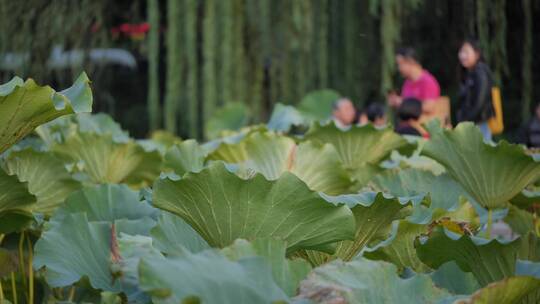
344	113
409	113
533	129
375	113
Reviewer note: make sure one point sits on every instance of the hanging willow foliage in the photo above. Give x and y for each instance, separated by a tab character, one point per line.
322	43
192	90
389	32
226	48
498	46
482	27
209	58
238	57
173	88
526	68
154	108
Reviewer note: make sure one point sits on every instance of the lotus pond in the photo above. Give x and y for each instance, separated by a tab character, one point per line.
265	214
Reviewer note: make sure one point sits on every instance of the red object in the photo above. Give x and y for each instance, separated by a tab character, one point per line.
425	87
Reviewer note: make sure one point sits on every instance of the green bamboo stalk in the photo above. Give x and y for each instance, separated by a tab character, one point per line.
323	44
482	27
239	56
498	51
226	47
190	30
154	108
526	68
389	32
173	84
209	60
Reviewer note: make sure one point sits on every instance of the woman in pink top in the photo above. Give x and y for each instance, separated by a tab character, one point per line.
419	83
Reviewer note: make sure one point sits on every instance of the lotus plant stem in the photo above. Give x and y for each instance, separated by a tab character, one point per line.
71	294
1	238
1	293
30	272
21	259
13	288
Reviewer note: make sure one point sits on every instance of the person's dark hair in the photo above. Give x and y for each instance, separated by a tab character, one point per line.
475	44
408	53
374	111
410	108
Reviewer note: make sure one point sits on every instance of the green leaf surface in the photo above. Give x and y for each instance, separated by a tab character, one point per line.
232	116
373	213
184	157
46	175
24	106
286	273
444	192
284	117
73	248
317	165
106	161
399	248
512	290
450	277
492	175
488	260
15	203
106	203
365	281
172	235
222	207
209	277
317	105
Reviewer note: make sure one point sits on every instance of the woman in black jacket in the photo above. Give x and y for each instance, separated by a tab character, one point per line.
475	91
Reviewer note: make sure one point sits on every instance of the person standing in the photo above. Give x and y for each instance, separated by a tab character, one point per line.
344	113
419	83
475	102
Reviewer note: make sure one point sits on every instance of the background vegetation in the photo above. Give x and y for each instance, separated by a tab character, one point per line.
200	55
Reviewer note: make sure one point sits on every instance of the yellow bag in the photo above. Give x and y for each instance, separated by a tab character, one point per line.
495	123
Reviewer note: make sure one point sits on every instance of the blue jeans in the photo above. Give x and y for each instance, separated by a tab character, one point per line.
486	132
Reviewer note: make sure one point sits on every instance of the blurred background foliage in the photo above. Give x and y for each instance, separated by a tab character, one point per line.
181	65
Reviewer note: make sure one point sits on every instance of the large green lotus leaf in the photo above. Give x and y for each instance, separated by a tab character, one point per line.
106	203
46	175
132	249
492	175
286	273
106	161
16	201
374	214
317	105
73	248
444	192
521	221
232	116
101	124
284	117
233	152
159	141
450	277
222	207
399	248
24	106
184	157
358	145
488	260
512	290
414	161
209	277
172	235
365	281
317	165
